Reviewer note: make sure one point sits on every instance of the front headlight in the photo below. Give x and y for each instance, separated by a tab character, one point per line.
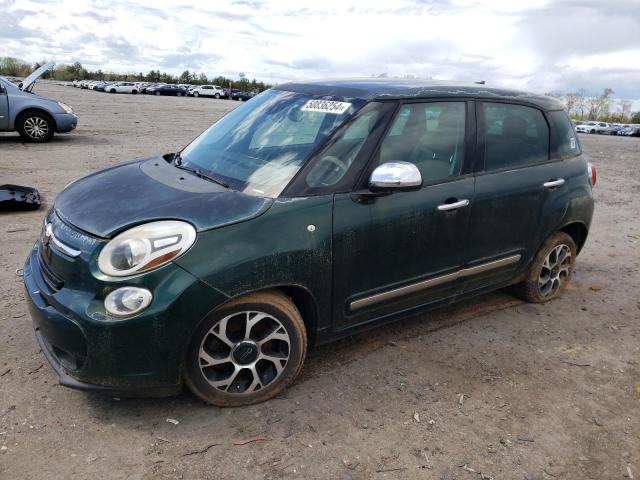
146	247
65	107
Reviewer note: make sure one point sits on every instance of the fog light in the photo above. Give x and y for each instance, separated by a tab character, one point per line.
127	301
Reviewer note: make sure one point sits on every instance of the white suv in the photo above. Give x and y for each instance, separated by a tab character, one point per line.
594	127
122	87
207	91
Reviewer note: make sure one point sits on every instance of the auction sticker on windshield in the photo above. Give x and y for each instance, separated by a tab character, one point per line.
325	106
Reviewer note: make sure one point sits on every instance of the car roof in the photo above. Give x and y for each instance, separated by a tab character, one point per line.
388	88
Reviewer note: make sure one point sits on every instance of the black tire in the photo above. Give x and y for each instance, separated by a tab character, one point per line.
592	131
157	93
35	127
217	96
531	289
196	94
113	90
178	94
134	92
278	309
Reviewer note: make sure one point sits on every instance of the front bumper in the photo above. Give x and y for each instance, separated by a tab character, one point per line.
65	122
141	356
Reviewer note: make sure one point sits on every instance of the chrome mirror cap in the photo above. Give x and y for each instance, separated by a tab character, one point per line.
395	176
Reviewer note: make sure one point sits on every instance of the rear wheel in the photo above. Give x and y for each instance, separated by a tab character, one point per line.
217	95
248	351
196	94
550	271
113	90
157	93
37	127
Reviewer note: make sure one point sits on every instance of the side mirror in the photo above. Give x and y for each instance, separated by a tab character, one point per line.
395	176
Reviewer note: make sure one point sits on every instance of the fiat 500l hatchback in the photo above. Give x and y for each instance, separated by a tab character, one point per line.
312	211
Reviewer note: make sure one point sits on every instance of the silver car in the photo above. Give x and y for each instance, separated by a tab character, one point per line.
36	118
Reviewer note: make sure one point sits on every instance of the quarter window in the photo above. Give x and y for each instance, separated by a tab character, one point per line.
567	141
429	135
514	136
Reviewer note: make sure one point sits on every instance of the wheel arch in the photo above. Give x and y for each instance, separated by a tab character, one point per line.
27	110
578	231
301	297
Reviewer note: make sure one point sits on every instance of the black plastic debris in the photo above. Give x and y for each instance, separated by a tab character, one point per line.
17	197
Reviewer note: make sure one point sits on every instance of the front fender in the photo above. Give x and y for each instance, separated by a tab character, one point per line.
289	245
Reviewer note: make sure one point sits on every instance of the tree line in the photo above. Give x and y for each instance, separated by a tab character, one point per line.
15	67
602	108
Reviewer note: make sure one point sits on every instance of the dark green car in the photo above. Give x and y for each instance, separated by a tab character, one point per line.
312	211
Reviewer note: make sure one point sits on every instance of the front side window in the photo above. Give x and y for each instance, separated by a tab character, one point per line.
258	147
567	140
514	136
429	135
336	159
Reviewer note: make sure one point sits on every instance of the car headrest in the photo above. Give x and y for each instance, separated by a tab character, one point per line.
514	126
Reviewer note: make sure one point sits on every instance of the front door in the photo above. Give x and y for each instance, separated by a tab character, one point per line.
397	252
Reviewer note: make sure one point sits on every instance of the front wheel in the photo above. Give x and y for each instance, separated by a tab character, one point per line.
550	271
35	127
157	93
248	351
196	94
217	95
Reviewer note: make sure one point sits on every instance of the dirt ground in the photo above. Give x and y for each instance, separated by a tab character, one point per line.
489	388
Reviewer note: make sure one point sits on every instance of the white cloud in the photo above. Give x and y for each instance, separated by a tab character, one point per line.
541	45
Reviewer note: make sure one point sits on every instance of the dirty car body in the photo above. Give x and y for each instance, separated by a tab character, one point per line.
359	201
36	118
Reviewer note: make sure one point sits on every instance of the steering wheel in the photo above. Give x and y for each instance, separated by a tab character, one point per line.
336	161
327	171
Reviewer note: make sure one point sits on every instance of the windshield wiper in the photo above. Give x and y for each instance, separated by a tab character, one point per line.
177	161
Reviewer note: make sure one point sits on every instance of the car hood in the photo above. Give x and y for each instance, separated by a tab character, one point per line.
28	82
107	202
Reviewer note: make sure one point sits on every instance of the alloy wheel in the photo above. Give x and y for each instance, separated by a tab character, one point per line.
36	127
555	270
244	352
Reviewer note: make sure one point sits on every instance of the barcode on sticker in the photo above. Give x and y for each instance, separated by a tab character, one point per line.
573	142
326	106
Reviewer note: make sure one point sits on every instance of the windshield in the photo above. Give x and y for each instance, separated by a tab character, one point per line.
258	147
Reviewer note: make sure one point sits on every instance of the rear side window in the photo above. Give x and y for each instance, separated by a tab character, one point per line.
515	136
566	136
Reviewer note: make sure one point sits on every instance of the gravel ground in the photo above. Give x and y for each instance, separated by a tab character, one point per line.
488	388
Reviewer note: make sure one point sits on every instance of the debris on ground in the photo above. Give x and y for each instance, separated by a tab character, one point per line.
173	420
250	440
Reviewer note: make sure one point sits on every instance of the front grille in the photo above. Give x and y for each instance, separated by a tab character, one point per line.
53	281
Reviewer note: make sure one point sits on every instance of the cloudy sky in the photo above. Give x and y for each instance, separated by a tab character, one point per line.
540	45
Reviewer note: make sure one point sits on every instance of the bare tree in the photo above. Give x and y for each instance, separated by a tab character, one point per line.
625	110
601	105
581	102
571	101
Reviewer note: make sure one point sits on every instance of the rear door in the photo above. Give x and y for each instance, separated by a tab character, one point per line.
520	192
4	108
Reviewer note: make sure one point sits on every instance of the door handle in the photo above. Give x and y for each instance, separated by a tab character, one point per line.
553	183
445	207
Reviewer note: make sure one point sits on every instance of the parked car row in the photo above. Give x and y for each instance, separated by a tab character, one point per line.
177	90
605	128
